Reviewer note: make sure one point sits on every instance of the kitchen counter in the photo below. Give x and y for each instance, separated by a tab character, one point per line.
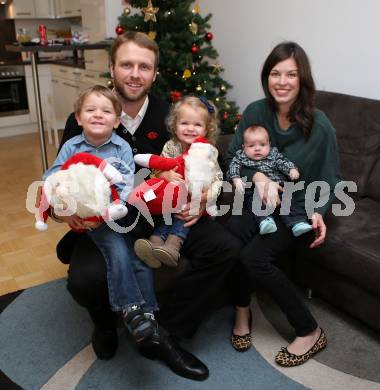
69	61
37	48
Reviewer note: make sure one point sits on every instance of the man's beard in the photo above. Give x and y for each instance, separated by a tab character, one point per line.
122	92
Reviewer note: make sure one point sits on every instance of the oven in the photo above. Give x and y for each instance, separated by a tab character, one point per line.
13	95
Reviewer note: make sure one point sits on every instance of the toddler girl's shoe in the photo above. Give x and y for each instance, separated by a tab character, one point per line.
168	253
301	228
144	250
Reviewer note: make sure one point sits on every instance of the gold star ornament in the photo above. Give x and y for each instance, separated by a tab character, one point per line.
150	12
217	68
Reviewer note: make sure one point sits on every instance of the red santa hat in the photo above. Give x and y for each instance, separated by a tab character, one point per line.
116	209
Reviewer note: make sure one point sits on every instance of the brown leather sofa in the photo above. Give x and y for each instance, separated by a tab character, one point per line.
345	271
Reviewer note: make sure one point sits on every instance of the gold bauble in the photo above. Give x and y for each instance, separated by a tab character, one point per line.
152	35
198	88
127	11
223	88
109	83
186	74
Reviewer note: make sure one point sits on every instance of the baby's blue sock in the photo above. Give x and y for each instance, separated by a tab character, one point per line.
268	226
301	228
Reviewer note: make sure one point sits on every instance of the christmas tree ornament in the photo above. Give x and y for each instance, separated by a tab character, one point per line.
150	12
217	100
225	115
127	11
198	88
227	106
175	96
209	36
195	48
186	74
223	88
152	35
195	9
193	28
110	84
217	68
238	117
119	29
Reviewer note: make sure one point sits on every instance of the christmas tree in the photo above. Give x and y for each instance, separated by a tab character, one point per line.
187	59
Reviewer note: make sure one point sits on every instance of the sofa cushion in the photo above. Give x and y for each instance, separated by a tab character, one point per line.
373	185
352	246
357	123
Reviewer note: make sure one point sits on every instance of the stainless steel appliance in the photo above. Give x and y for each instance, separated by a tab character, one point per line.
13	95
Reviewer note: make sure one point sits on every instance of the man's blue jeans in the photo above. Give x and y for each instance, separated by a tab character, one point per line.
130	281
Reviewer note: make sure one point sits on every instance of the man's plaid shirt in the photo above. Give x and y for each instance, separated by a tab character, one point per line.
275	165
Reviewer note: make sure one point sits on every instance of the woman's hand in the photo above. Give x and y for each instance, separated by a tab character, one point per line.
268	189
172	176
319	230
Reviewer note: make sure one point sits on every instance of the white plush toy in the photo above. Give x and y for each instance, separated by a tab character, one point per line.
84	186
198	166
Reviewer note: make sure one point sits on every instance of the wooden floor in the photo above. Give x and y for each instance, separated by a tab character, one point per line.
27	256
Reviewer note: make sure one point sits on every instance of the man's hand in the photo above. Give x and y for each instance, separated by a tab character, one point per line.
74	221
294	174
191	216
239	184
319	230
172	176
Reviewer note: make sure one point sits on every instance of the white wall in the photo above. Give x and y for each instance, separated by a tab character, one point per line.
341	37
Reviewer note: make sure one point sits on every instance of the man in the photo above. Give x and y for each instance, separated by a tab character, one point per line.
134	61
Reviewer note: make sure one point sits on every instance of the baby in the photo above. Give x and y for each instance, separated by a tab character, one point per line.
257	154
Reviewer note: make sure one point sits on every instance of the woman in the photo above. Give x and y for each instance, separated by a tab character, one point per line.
305	136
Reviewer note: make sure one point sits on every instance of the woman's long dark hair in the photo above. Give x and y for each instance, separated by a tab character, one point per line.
302	110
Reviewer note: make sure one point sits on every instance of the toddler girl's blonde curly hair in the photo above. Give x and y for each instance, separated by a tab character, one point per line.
211	118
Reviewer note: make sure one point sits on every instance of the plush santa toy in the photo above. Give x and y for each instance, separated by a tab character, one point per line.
198	166
84	186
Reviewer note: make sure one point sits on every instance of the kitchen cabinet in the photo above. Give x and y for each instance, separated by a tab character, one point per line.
67	8
48	9
44	77
99	19
22	9
67	83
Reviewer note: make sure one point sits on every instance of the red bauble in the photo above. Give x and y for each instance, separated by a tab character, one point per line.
119	29
209	36
175	96
195	48
225	115
238	117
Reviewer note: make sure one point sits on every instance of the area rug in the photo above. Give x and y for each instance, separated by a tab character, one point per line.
45	344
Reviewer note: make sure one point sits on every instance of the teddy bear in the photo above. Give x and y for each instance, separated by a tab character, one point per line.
198	166
84	186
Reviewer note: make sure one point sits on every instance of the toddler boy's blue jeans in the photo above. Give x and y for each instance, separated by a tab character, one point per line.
130	281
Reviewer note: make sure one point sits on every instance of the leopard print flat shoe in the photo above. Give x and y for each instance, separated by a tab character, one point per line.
286	359
241	343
